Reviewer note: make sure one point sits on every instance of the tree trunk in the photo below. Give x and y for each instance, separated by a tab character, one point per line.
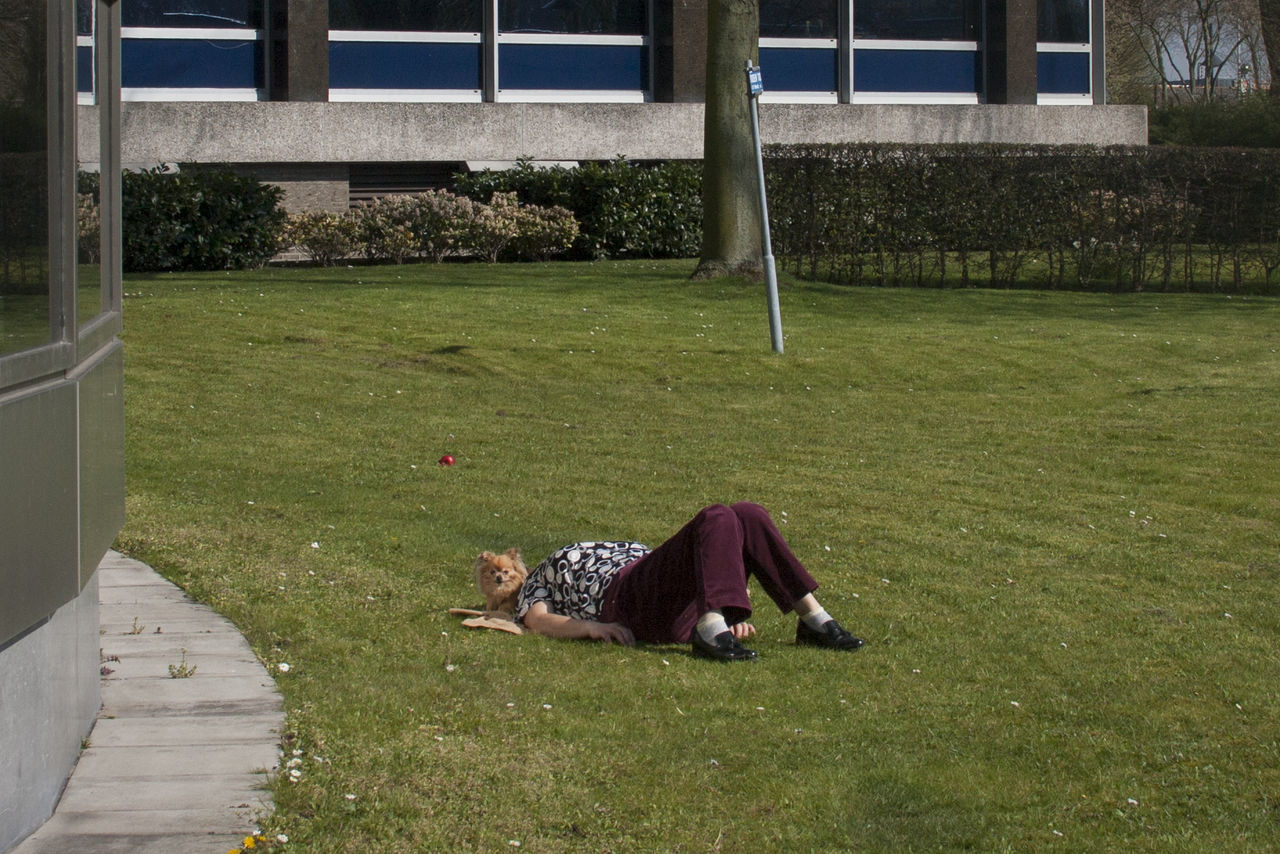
1270	14
731	239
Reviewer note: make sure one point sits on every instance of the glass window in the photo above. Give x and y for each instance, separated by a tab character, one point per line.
192	13
580	67
585	17
916	20
1063	73
191	63
1064	21
379	65
84	17
428	16
799	69
935	71
798	19
84	69
24	213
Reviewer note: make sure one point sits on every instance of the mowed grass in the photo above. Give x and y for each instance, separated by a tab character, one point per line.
1053	516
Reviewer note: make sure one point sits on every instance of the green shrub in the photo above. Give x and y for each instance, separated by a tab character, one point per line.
199	220
1252	122
623	209
324	237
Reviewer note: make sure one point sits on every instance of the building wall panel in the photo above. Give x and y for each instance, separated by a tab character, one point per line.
101	426
39	552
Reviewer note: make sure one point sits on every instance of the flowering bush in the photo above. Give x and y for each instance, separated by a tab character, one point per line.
439	219
491	227
385	230
324	237
435	224
543	232
88	245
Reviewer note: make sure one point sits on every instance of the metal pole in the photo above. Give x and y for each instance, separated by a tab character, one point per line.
754	88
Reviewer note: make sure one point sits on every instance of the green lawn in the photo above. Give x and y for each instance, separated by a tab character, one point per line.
1054	518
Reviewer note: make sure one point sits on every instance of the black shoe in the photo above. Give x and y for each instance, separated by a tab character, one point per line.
832	636
724	647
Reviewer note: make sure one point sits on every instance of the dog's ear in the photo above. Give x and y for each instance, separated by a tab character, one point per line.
514	554
483	558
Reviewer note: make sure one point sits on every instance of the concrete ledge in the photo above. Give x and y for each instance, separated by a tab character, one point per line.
291	132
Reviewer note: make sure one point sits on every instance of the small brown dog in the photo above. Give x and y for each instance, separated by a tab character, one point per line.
499	578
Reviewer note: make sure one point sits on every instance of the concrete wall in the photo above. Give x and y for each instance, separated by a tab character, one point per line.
48	705
294	132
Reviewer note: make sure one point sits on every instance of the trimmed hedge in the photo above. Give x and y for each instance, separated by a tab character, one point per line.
199	220
1048	216
623	209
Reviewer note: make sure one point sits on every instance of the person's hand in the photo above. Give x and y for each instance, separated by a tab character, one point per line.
742	631
611	633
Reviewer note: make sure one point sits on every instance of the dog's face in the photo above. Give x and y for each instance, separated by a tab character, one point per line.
499	577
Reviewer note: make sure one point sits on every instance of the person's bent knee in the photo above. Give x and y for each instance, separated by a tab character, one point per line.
719	516
750	513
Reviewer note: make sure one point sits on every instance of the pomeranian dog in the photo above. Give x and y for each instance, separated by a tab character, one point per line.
499	578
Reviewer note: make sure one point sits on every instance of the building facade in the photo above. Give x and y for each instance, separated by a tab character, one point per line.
61	403
338	98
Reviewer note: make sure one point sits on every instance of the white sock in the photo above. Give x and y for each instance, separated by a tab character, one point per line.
816	619
711	624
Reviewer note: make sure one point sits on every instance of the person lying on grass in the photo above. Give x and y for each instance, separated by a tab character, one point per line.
690	589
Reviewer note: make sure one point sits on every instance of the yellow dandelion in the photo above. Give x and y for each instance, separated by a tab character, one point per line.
250	843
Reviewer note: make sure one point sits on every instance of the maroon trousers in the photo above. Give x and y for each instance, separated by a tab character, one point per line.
705	567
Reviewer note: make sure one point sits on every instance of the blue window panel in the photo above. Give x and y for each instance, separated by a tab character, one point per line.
799	69
191	64
403	65
564	66
1063	73
84	68
951	71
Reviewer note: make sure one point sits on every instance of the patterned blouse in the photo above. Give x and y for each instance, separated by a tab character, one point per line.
573	579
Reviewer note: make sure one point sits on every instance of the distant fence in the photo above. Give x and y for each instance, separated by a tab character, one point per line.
1124	218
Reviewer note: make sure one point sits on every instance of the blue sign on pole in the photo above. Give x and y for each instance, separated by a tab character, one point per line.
755	83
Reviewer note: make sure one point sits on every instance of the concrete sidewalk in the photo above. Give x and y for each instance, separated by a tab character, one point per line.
173	765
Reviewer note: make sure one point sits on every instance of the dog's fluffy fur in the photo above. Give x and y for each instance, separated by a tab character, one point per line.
499	578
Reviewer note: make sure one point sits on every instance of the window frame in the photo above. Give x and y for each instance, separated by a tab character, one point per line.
57	353
257	36
1087	48
407	94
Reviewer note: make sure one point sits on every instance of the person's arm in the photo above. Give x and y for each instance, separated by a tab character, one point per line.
542	620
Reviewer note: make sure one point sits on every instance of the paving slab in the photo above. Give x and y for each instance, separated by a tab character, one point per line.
173	765
214	730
